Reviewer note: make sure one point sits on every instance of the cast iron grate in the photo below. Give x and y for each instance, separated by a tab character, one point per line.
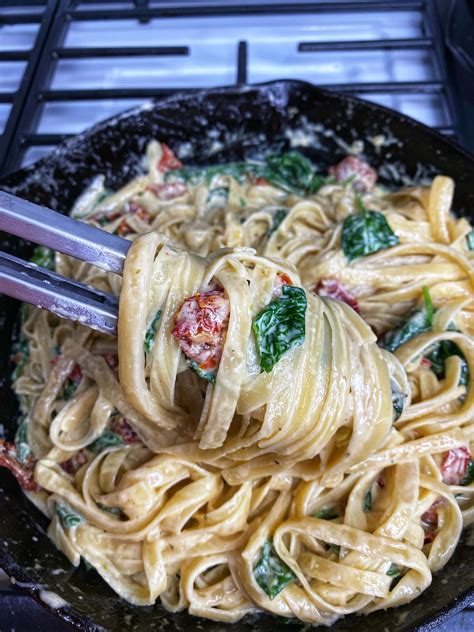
37	91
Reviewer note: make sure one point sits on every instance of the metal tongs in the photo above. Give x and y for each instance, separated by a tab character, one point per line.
33	284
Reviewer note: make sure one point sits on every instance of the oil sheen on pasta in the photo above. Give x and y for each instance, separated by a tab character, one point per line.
285	422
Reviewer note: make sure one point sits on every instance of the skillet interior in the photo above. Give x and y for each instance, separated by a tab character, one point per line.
213	126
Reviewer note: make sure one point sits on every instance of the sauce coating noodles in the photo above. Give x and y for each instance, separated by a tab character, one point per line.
285	422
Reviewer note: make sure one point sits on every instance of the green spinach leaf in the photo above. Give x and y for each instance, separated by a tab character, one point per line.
394	570
470	240
368	501
327	513
43	257
107	439
210	376
366	232
280	326
20	355
398	400
278	218
469	476
151	333
69	517
271	573
419	321
291	172
23	450
439	355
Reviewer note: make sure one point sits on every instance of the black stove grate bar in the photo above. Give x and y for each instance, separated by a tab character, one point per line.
401	87
175	9
242	54
22	97
311	47
27	108
6	97
123	51
14	55
20	18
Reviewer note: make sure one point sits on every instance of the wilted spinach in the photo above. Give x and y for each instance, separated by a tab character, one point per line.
23	450
419	321
69	518
398	400
20	355
210	376
271	573
151	333
368	501
444	350
43	257
470	240
278	217
366	232
107	439
327	513
280	326
469	476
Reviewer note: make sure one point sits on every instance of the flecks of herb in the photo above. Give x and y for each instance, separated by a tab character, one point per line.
280	326
366	232
151	333
271	573
107	439
69	518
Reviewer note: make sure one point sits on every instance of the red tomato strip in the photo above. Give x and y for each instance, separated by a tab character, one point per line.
454	465
351	167
23	472
200	327
331	288
168	160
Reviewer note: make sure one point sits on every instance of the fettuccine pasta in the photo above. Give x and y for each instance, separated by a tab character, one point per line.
284	422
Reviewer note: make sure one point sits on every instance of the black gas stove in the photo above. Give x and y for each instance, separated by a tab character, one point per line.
65	65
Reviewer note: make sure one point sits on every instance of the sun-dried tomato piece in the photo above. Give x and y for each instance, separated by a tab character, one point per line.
454	465
138	211
429	522
120	426
112	360
364	177
72	465
281	279
200	327
331	288
23	472
168	159
168	190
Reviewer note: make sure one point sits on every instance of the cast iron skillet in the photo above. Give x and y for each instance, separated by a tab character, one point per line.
213	126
